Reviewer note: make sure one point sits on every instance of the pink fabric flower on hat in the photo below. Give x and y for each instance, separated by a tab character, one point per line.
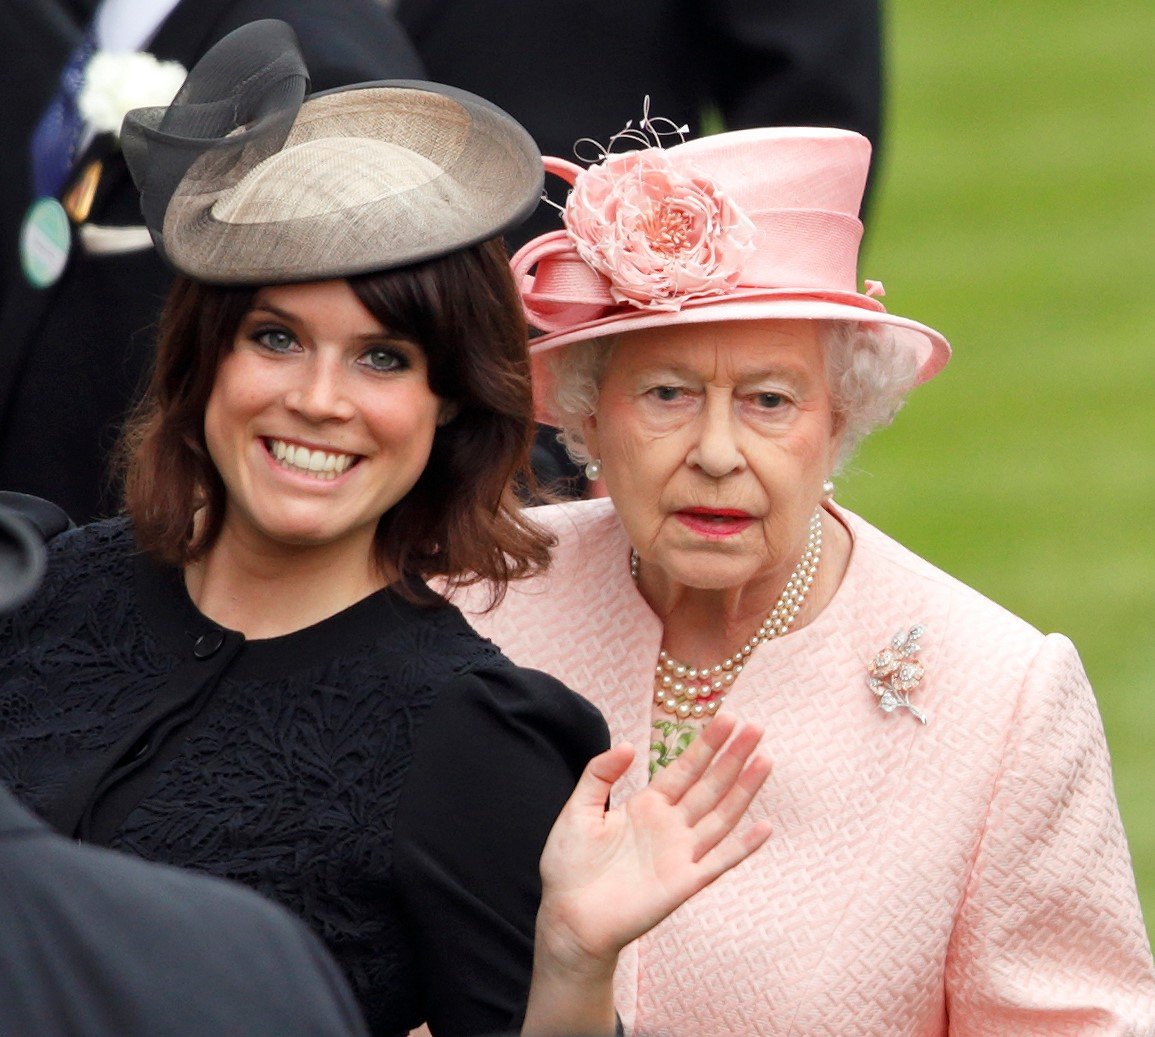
659	234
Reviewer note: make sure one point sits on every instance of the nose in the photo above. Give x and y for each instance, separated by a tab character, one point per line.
716	451
320	391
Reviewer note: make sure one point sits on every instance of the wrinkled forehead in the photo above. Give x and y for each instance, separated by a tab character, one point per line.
730	351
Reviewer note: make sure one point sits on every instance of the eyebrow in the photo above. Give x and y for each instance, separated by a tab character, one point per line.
787	372
292	318
268	307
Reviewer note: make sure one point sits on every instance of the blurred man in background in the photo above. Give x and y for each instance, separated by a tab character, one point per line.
569	70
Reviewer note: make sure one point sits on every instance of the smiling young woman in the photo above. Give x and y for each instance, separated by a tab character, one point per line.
455	518
320	420
378	371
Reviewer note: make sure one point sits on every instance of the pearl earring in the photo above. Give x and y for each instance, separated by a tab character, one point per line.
594	469
828	489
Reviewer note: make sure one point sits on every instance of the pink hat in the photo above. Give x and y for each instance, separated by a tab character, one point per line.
748	225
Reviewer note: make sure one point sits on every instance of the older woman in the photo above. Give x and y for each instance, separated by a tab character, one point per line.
948	855
247	673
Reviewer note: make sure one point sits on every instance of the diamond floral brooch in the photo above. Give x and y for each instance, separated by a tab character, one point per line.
896	671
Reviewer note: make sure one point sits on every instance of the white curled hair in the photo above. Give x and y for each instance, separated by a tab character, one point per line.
867	373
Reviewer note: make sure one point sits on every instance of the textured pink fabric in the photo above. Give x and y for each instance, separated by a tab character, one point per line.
968	877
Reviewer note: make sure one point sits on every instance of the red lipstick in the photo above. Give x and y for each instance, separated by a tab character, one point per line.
714	523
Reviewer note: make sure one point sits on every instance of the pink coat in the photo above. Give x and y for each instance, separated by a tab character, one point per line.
966	877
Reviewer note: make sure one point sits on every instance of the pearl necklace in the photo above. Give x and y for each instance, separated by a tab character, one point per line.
692	691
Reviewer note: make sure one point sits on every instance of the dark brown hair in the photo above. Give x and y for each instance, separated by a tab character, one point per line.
461	519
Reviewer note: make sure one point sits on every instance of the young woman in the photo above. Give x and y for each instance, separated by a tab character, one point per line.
247	674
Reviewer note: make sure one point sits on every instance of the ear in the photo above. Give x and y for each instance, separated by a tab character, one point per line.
448	410
834	447
590	434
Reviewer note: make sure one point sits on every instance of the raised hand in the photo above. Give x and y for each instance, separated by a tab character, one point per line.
610	876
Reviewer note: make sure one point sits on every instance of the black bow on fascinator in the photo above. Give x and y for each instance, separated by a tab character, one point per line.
235	109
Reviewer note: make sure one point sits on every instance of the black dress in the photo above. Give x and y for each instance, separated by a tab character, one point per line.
387	774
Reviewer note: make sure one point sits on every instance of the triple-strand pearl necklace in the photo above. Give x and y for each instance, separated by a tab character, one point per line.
699	691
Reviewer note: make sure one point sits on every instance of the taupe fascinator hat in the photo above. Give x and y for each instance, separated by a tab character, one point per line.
247	179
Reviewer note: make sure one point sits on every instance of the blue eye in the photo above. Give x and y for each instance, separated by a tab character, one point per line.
276	339
666	393
769	400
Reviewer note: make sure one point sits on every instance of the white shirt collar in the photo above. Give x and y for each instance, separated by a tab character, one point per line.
127	25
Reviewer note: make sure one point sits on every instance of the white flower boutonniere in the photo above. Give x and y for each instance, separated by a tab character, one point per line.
115	83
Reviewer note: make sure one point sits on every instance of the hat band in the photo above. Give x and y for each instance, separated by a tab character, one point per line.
810	250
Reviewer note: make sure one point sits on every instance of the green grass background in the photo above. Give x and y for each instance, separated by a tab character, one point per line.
1015	211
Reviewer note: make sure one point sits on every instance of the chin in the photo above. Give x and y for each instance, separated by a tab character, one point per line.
297	537
304	530
711	572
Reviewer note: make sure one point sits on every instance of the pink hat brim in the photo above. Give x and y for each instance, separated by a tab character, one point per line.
930	348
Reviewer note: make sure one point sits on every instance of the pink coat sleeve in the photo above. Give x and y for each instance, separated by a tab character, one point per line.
1050	938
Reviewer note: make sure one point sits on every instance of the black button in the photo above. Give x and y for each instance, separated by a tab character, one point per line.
207	645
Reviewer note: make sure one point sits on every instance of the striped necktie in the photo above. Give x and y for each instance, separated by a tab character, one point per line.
57	135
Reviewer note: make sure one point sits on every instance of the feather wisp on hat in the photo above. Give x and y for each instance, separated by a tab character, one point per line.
747	225
247	179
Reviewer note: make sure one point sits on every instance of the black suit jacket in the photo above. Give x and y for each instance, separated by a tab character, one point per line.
96	943
569	69
75	354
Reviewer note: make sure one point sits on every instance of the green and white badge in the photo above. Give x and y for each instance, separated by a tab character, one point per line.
45	241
